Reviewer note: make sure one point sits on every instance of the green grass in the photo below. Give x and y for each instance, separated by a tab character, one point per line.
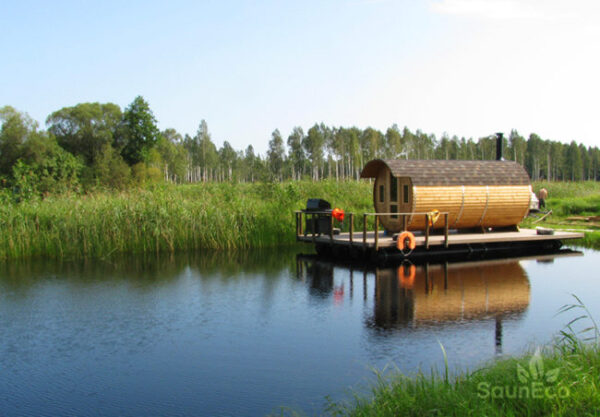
568	199
169	218
567	372
166	218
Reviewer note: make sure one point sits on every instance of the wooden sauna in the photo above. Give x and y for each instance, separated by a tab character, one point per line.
475	194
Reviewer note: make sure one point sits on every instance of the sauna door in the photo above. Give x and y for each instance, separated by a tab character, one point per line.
399	201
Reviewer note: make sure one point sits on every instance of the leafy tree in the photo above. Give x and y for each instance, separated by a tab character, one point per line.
517	147
393	142
16	129
574	165
296	154
51	168
140	131
86	128
372	142
228	159
173	154
313	144
276	154
203	152
110	170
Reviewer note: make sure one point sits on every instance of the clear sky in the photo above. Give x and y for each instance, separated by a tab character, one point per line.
466	67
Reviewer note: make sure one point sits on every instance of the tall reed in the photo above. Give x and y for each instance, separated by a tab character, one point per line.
166	218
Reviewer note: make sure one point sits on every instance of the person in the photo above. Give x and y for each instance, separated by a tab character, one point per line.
542	196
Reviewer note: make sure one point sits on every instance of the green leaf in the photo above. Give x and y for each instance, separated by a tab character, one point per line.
522	374
552	375
536	366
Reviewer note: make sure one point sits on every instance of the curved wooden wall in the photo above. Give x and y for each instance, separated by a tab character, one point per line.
472	206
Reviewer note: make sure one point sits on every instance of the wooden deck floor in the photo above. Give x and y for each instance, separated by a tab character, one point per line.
524	235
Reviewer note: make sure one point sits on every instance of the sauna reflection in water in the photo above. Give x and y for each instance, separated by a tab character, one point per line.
433	294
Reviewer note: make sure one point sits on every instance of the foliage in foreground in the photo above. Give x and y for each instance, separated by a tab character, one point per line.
567	375
166	218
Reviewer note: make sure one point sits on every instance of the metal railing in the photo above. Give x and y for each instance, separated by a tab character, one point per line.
404	218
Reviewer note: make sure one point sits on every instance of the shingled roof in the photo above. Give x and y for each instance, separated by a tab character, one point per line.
437	172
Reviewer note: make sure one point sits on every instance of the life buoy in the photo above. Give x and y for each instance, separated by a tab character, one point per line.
401	241
406	281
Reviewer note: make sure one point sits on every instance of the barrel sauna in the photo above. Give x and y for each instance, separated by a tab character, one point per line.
476	194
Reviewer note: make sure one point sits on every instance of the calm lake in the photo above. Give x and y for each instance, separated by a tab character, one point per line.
245	334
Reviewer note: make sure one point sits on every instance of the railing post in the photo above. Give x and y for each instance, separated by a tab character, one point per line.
446	230
297	229
426	231
301	224
313	225
331	227
376	231
351	227
365	230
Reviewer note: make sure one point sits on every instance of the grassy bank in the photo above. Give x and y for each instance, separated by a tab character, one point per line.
571	203
169	218
166	218
560	380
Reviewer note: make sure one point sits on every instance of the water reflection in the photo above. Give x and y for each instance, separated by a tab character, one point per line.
429	294
146	270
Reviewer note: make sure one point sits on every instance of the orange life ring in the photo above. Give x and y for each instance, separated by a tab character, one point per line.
406	281
400	242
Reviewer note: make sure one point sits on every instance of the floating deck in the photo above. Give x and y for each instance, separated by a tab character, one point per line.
443	243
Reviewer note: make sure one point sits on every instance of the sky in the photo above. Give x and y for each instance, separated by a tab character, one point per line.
462	67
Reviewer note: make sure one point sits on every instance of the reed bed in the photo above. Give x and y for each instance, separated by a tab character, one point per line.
166	218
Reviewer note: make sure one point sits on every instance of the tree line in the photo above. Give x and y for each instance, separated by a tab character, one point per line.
101	145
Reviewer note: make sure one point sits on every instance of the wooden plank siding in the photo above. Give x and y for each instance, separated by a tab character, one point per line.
470	206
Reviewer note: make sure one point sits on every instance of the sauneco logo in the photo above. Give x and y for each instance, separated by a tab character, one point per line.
534	382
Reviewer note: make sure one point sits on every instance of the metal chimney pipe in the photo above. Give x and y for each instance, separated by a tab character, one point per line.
499	143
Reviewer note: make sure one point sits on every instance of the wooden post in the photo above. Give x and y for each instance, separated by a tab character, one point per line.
331	227
365	230
376	232
313	226
426	231
445	276
297	225
301	224
351	227
446	230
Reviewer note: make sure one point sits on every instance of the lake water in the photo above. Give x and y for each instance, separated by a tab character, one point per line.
248	333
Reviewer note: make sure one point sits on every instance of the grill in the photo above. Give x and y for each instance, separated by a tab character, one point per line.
320	217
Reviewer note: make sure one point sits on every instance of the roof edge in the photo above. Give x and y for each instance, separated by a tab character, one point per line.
372	168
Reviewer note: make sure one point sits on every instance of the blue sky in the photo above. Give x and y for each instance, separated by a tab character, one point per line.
466	67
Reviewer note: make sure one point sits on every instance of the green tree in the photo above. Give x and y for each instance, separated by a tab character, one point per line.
16	129
372	143
173	154
574	165
535	156
276	155
313	144
517	147
140	131
86	128
394	146
110	170
52	169
296	153
228	160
